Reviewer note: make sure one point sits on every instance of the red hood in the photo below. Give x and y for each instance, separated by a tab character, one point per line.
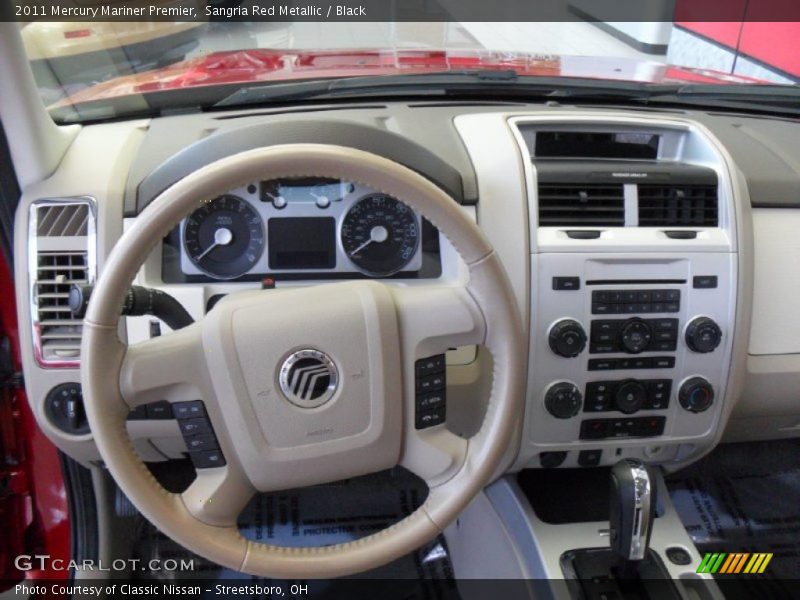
262	65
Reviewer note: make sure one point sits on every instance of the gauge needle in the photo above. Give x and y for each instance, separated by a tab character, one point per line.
222	237
378	234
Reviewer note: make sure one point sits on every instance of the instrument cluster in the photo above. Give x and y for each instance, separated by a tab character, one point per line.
301	228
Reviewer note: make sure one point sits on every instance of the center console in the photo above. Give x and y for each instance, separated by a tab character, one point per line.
633	268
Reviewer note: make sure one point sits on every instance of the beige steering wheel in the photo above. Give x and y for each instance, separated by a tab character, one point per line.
371	333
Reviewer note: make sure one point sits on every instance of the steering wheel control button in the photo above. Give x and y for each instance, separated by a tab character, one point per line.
589	458
207	460
703	335
430	365
567	338
189	410
566	283
696	395
605	302
308	378
630	396
201	443
194	426
563	400
599	429
431	391
431	382
64	408
159	410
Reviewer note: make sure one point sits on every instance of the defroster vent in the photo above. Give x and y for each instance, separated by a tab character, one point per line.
581	205
675	205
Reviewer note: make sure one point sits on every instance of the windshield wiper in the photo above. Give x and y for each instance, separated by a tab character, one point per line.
776	99
447	82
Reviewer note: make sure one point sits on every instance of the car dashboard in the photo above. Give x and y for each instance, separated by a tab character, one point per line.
630	239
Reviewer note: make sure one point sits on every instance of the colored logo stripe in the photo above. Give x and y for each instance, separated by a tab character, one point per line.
735	562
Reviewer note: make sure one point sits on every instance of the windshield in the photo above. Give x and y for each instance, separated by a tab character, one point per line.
92	70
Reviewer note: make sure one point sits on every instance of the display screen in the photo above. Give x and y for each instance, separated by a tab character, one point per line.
302	243
305	190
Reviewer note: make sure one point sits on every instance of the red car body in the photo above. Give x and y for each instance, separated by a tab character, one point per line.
274	66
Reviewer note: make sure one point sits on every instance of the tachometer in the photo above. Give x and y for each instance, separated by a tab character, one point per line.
224	238
380	235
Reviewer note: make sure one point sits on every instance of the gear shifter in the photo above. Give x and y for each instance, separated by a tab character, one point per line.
633	509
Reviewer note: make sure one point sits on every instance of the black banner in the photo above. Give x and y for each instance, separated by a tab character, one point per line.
401	10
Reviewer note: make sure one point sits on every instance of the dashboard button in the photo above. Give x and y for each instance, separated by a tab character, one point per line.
630	296
672	307
551	460
566	283
663	362
594	429
704	282
601	309
703	335
635	336
589	458
630	396
602	364
696	395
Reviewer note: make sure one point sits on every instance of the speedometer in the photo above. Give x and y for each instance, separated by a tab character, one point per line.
224	238
380	235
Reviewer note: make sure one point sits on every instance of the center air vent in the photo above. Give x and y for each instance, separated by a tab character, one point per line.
62	253
581	205
676	205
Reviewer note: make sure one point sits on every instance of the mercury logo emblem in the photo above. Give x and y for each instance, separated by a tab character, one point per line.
308	378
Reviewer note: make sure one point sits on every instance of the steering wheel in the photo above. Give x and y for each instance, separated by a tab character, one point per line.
363	339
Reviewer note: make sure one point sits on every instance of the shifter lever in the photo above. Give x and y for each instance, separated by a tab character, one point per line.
633	508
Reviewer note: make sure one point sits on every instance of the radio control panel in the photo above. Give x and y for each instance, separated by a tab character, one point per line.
631	356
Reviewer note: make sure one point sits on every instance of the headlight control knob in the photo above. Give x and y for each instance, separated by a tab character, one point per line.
567	338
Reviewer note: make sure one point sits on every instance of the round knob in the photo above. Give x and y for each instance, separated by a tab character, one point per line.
635	335
630	396
567	338
696	395
563	400
703	335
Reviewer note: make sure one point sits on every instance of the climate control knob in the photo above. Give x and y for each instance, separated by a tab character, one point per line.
703	335
563	400
567	338
635	335
696	395
630	396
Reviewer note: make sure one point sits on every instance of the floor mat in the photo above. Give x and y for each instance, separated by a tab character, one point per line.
324	515
746	498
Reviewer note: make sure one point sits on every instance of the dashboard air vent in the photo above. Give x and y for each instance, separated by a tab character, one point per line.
62	234
59	333
692	205
585	204
56	220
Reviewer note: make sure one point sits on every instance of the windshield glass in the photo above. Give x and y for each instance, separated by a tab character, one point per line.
91	70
